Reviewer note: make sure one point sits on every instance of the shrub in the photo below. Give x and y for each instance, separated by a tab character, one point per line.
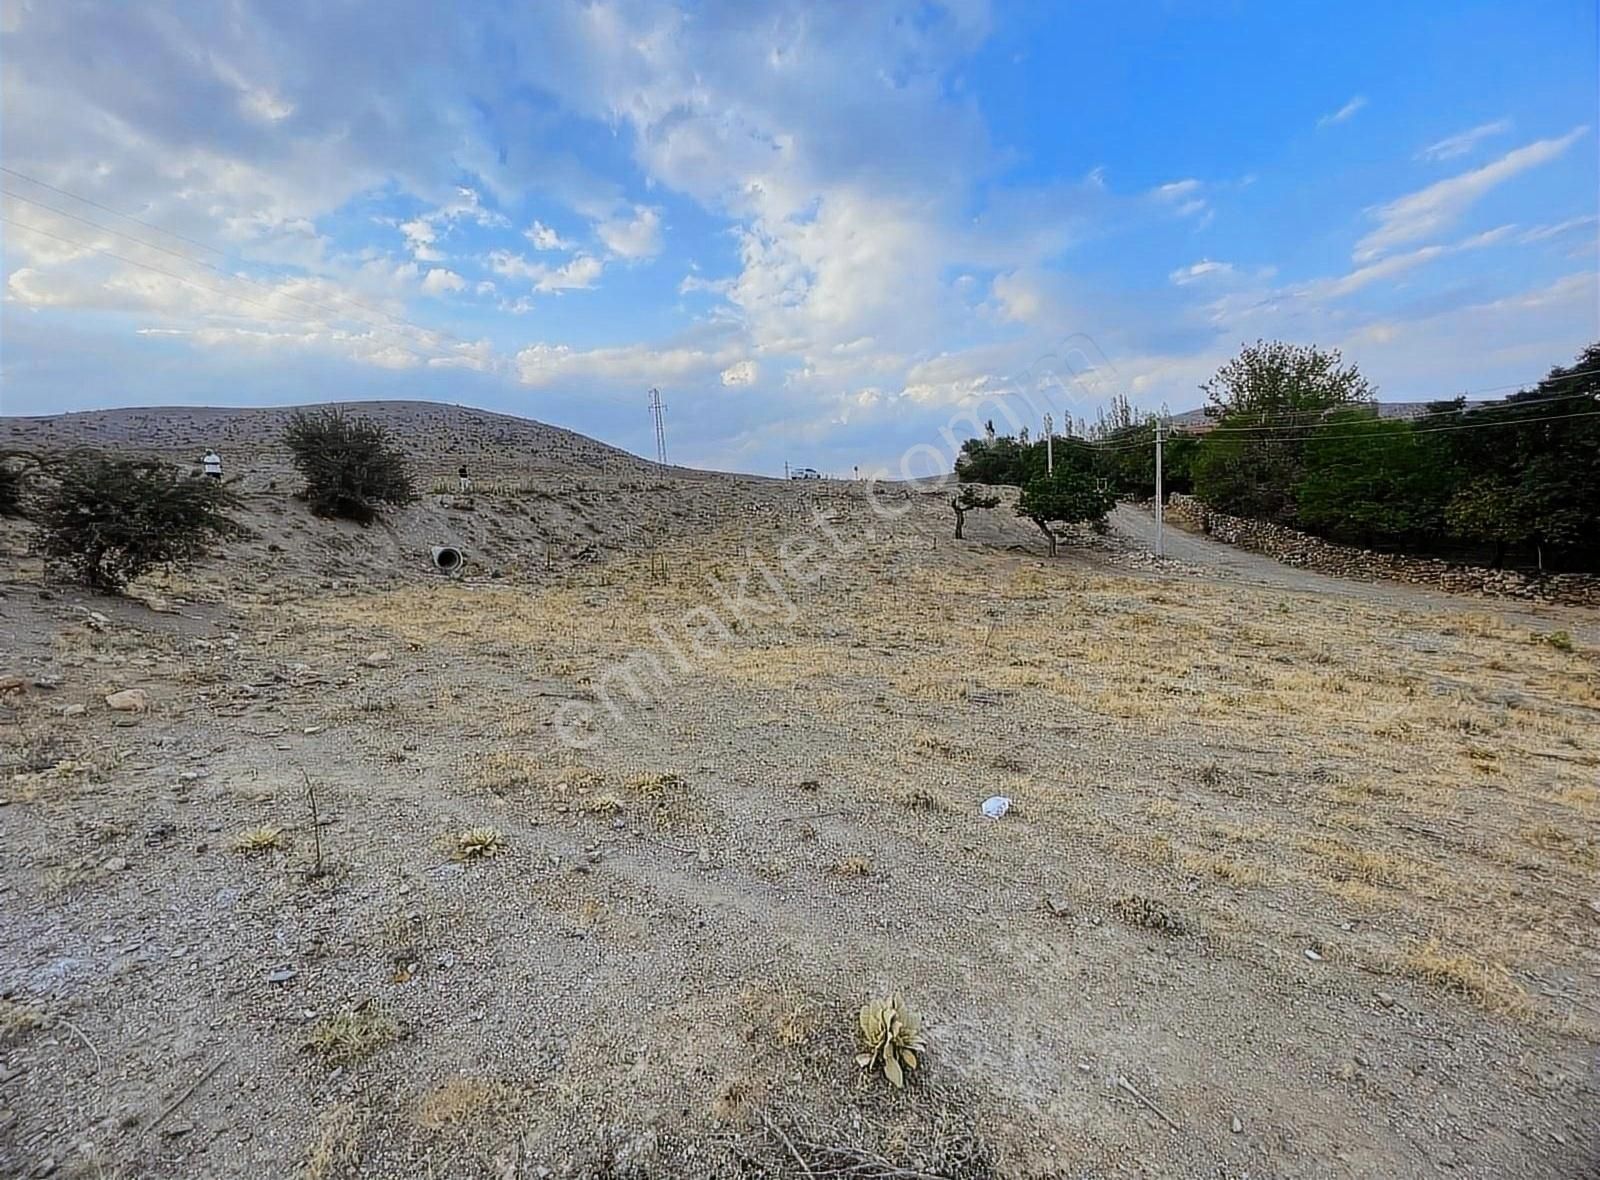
1068	496
110	520
12	483
351	466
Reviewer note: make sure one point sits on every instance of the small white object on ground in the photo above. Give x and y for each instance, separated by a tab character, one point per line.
1313	956
995	806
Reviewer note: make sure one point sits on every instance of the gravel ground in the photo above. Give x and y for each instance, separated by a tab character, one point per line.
1295	882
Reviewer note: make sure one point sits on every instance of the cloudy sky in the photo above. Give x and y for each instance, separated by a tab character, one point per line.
821	229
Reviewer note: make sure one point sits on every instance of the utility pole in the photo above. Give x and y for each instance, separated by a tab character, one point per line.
1049	446
1161	437
656	409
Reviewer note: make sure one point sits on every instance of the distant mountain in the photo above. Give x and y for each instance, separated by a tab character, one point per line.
1196	419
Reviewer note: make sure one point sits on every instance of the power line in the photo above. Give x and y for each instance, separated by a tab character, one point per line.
1303	415
108	209
1508	422
1485	407
277	311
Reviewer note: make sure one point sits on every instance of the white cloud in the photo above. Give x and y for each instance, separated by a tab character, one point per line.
1436	207
1185	198
1343	113
580	272
740	373
420	236
634	364
1463	142
1204	269
1542	233
440	280
545	238
632	235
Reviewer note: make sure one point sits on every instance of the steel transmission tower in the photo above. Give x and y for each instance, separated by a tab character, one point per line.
656	411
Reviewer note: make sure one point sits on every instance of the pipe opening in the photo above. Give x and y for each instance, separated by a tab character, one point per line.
447	559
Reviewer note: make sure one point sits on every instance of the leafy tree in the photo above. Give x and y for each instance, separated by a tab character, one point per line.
1369	480
1525	472
1069	495
965	501
1128	460
1492	509
1250	464
1271	379
110	520
351	466
993	460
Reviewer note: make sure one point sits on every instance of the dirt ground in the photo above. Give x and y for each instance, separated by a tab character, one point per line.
1293	883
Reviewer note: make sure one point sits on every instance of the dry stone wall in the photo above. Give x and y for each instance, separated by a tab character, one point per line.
1312	553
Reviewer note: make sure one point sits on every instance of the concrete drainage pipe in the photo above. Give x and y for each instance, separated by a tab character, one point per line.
447	559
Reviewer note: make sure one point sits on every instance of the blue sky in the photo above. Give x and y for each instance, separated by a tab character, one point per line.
825	231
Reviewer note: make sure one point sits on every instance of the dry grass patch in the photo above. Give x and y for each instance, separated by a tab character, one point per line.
1149	914
778	1014
348	1037
479	843
18	1018
462	1102
1490	985
1343	862
852	866
1229	869
257	840
1569	846
337	1148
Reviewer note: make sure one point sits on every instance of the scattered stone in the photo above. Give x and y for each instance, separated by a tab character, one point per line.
129	700
1056	907
377	658
1385	999
1313	956
13	684
1238	1127
281	974
74	710
117	864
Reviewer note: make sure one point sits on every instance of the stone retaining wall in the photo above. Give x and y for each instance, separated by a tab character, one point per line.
1312	553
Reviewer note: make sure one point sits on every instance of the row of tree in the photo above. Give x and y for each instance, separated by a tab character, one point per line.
1294	436
105	520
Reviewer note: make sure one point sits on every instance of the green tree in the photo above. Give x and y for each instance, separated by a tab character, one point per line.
109	520
1071	494
1265	404
1368	480
1525	472
351	466
967	500
1491	509
1272	380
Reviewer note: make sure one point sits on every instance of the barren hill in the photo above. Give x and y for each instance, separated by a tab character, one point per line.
543	497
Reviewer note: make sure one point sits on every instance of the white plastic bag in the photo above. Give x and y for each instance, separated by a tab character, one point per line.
995	806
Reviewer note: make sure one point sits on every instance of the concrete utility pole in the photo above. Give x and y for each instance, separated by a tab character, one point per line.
656	409
1049	447
1161	437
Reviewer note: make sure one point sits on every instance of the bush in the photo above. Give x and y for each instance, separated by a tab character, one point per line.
351	467
12	482
110	520
1069	496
